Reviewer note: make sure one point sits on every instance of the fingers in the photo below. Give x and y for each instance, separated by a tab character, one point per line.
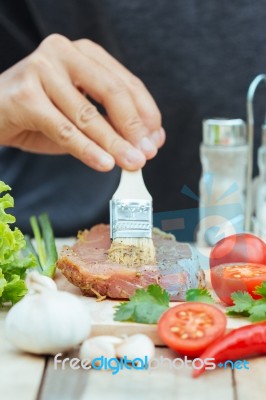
109	84
144	119
87	119
112	93
159	137
67	136
145	103
36	142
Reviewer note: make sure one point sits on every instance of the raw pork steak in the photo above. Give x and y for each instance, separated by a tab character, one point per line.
86	265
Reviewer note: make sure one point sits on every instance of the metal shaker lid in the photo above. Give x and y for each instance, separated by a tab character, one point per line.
224	132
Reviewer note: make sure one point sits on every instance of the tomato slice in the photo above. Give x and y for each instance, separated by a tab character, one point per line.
229	278
243	247
189	328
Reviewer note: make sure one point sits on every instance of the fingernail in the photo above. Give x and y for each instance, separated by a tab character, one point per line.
147	146
134	156
106	161
158	137
163	134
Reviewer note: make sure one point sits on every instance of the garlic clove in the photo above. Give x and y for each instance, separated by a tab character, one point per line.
98	347
115	340
136	346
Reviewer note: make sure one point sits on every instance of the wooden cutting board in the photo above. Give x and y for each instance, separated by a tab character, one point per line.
102	312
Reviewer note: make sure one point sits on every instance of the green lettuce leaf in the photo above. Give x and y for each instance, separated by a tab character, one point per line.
14	290
3	282
13	264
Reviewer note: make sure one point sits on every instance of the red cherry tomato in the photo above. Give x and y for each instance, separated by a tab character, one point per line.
229	278
189	328
239	248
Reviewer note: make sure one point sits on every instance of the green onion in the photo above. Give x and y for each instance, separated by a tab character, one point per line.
46	255
38	238
49	243
29	249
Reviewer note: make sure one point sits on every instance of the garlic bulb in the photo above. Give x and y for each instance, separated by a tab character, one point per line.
97	347
136	346
47	321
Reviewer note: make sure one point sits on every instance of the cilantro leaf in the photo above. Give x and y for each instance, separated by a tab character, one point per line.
199	295
258	312
246	306
232	313
124	311
261	290
242	302
147	314
162	296
145	306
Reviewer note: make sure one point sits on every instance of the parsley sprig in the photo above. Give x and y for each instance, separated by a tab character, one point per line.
202	295
145	306
246	306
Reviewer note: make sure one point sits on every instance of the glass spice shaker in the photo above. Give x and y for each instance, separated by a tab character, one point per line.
261	188
223	156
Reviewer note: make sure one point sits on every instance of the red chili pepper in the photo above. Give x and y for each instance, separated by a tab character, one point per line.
249	340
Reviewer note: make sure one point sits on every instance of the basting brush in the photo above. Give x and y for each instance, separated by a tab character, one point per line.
131	222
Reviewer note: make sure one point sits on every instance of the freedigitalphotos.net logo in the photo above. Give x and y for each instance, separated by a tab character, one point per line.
219	213
116	365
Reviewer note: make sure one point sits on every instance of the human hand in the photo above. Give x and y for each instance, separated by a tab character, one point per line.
43	110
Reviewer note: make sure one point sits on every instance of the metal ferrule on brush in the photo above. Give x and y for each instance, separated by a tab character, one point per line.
130	218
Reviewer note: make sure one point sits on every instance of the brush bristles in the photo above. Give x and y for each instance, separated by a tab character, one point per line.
133	252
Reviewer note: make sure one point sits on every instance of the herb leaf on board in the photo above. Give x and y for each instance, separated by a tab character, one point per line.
145	306
202	295
246	306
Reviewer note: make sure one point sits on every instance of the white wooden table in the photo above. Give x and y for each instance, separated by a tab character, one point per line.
27	377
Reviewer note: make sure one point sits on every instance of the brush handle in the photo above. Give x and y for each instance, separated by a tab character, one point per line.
132	186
